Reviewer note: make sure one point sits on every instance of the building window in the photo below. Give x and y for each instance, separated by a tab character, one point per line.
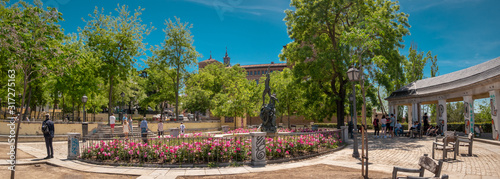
258	72
251	72
257	81
248	73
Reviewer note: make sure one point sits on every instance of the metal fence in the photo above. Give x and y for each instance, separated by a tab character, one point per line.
204	150
201	150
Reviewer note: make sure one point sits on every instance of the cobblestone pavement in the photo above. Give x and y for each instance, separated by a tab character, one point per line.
384	154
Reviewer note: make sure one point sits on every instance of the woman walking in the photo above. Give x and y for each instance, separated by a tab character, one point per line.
125	128
384	125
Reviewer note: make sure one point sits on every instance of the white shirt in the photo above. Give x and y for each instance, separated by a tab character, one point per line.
182	127
112	119
398	125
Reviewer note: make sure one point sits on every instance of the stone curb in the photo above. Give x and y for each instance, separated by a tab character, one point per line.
487	141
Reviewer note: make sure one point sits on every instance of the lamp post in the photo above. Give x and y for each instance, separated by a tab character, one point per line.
85	125
84	100
353	75
121	110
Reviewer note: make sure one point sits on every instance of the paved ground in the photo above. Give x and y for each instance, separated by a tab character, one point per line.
384	155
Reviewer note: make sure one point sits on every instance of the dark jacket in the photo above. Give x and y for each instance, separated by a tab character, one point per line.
50	124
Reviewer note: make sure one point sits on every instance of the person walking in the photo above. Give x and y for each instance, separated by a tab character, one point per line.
144	130
182	128
112	121
125	128
376	126
131	126
48	134
383	121
160	128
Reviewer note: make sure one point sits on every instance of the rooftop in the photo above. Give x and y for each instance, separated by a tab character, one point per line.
450	81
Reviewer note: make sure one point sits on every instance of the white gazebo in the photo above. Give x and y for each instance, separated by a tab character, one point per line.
476	82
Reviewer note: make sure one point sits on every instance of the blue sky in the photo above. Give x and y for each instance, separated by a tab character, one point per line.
462	33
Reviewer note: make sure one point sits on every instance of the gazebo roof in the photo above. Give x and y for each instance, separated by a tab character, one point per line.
450	81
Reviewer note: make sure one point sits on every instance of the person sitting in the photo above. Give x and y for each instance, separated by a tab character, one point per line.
415	129
398	128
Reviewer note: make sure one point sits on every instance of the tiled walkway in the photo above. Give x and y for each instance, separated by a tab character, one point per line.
383	155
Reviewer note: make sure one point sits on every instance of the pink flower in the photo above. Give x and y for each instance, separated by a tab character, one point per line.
288	153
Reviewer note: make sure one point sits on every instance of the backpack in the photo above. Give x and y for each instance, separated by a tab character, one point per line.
45	128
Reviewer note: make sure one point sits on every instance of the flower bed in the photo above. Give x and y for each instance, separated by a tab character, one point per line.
199	149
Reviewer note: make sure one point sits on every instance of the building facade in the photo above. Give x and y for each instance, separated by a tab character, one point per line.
254	72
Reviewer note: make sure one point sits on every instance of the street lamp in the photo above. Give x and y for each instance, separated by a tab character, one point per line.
84	100
121	111
353	75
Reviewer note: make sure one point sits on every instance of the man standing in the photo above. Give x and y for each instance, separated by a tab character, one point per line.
48	134
112	120
376	127
144	130
182	128
426	121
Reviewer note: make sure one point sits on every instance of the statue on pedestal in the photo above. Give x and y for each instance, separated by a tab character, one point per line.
268	111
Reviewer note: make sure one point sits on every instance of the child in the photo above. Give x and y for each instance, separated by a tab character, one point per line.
160	128
125	128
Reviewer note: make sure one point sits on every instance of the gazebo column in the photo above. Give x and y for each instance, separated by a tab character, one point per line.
415	112
395	110
469	114
410	117
495	104
442	114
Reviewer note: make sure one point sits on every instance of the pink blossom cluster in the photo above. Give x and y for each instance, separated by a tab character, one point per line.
241	130
200	149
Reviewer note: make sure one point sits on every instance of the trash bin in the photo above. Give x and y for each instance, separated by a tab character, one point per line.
314	127
85	130
73	145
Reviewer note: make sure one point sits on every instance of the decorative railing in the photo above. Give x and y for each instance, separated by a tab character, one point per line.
203	150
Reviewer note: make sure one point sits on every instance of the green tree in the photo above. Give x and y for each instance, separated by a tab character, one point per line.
116	41
209	81
177	51
321	59
455	111
159	85
484	114
239	97
287	92
434	73
33	39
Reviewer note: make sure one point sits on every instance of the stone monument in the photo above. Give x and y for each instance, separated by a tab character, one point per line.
268	111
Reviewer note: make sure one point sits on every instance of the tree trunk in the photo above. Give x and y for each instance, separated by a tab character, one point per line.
39	112
62	107
13	171
78	109
340	105
54	110
28	104
162	108
380	101
177	94
73	111
110	97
